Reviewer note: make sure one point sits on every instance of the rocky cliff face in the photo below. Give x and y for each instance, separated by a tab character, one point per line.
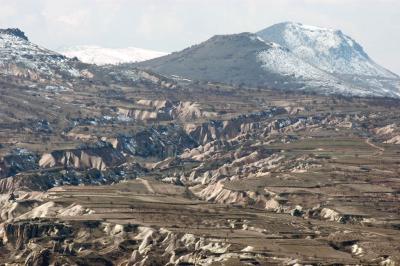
19	160
14	32
29	182
18	235
389	133
156	141
167	111
150	246
99	157
228	129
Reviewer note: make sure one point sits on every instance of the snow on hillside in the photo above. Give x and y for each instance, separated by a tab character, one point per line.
277	59
327	49
280	60
103	56
18	56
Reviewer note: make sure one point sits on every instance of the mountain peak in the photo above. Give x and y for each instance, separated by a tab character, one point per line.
14	32
285	56
328	49
304	26
234	36
20	57
243	38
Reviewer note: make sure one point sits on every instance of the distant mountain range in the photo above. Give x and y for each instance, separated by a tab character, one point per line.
102	56
284	56
288	55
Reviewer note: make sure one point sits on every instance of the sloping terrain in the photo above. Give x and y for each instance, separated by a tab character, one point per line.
128	167
294	182
223	58
334	52
238	59
327	49
19	57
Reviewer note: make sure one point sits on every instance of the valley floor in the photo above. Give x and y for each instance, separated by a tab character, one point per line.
196	174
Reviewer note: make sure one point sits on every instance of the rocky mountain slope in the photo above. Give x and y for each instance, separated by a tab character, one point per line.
327	49
20	57
92	54
334	52
236	59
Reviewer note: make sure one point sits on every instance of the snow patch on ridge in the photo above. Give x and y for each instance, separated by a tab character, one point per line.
102	56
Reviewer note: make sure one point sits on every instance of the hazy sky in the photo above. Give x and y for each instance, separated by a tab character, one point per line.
171	25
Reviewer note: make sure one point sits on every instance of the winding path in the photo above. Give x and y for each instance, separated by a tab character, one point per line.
148	186
381	150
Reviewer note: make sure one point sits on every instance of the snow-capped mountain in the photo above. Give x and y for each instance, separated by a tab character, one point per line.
327	49
102	56
278	59
20	57
283	56
337	54
246	58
